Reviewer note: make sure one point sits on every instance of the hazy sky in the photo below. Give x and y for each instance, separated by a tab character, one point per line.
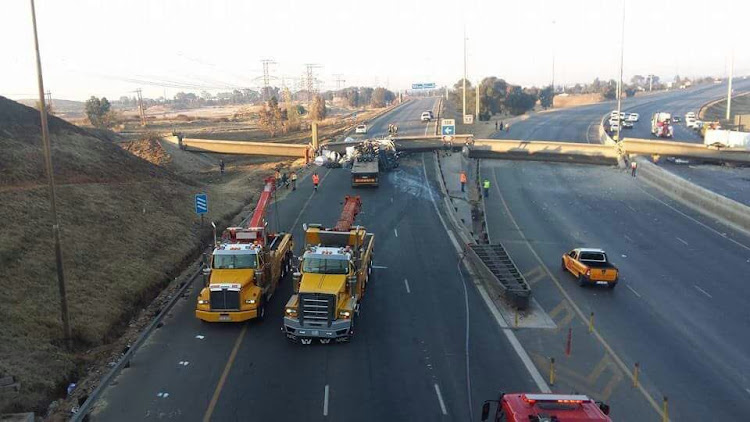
111	47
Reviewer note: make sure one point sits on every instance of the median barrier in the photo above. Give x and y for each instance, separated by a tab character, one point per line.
637	146
699	198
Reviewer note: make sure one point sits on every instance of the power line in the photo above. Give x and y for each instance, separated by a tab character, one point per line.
266	77
311	82
339	81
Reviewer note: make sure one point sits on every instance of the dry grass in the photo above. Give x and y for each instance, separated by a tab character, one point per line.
127	227
576	100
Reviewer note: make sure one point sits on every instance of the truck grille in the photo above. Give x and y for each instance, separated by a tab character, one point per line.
317	309
225	300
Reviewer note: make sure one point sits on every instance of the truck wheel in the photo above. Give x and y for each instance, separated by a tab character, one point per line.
562	263
611	285
581	280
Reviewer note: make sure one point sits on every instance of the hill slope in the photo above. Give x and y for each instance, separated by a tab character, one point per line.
127	226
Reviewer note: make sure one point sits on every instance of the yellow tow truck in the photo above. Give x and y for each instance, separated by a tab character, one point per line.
334	271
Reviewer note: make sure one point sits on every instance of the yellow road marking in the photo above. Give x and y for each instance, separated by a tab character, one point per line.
583	317
223	379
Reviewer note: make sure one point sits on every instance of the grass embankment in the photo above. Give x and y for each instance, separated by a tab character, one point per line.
127	228
718	110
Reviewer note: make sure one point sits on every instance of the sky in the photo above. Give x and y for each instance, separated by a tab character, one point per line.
112	47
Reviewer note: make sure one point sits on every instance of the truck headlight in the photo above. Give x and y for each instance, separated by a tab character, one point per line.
250	301
202	302
291	311
345	314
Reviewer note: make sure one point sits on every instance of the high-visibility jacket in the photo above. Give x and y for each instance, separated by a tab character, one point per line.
486	184
316	179
463	177
294	176
277	175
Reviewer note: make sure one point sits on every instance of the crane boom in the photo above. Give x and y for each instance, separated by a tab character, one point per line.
255	230
259	214
352	207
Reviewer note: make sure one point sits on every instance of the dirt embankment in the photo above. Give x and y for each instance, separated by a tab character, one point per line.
127	227
565	101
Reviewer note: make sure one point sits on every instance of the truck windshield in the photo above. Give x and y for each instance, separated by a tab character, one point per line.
593	256
235	261
325	266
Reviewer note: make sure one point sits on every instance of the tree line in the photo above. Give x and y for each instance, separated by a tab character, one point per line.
497	96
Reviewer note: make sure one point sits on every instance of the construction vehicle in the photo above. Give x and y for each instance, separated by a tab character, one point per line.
526	407
245	268
591	266
661	125
727	139
334	271
365	173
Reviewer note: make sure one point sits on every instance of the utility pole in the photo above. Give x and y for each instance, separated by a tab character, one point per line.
48	96
650	82
141	110
729	86
619	81
553	58
266	78
339	81
464	81
47	149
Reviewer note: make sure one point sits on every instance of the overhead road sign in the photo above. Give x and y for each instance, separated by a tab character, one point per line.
201	203
425	85
447	127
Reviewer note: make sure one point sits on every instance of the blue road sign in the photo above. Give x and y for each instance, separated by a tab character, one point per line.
201	203
426	85
448	127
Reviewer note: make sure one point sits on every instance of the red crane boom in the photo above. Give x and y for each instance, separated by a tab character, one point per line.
254	232
352	207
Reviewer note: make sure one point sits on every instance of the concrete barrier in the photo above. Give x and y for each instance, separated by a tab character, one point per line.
242	147
543	151
699	198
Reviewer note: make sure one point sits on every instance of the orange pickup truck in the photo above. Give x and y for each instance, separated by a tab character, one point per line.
591	266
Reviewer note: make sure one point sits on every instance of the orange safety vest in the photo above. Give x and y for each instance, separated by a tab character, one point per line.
316	179
463	177
294	176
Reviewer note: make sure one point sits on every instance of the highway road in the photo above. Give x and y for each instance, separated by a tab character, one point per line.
426	348
580	124
679	309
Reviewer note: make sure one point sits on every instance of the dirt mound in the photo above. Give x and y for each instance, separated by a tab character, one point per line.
78	155
149	149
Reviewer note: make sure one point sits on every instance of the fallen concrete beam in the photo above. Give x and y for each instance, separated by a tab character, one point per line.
685	150
543	151
242	147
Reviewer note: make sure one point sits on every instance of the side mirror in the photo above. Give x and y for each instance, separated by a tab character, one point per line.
604	408
485	411
206	270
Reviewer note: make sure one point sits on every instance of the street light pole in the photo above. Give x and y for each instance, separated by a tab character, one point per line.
47	149
619	81
464	72
553	58
729	86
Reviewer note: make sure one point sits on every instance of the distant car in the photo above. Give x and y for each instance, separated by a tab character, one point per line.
613	114
689	114
676	119
426	116
614	125
627	124
690	121
591	266
633	117
361	129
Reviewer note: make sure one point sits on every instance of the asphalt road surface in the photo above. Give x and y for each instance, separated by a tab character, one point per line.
416	354
680	308
580	124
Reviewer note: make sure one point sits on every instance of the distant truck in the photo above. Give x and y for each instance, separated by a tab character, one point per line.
333	274
591	266
525	407
245	268
365	173
661	125
727	139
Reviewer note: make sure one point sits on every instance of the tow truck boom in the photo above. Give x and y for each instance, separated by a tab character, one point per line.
352	207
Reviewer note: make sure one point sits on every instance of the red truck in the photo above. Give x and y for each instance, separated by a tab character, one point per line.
527	407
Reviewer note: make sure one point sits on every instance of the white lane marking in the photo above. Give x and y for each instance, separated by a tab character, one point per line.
633	290
200	337
304	207
703	291
406	283
325	401
440	399
686	244
724	235
391	199
748	390
184	363
395	232
380	267
509	334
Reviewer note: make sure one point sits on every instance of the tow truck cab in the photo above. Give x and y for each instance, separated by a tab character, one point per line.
517	407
